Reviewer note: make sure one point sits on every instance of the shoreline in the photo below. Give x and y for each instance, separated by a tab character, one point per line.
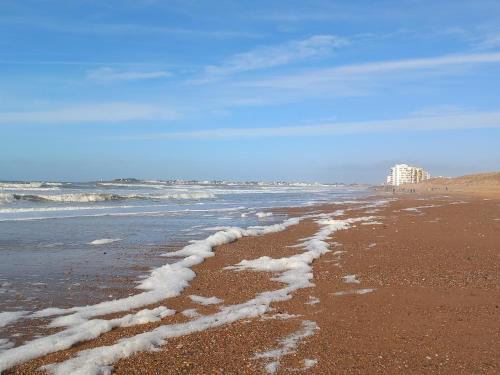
483	185
213	279
61	261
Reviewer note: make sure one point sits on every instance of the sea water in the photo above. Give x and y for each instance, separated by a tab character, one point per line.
65	243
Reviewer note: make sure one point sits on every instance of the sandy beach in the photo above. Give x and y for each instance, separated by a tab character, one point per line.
411	286
249	187
483	185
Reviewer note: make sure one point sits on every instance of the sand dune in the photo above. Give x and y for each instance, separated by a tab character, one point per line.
482	184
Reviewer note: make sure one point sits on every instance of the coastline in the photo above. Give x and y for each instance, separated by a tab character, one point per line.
483	185
82	246
418	286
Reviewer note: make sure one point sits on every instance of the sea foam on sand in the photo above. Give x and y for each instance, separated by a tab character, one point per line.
9	317
5	344
162	283
169	281
205	300
288	345
350	279
295	273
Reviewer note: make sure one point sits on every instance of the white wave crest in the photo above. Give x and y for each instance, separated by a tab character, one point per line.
128	185
6	198
29	186
77	197
61	209
32	189
20	185
104	241
261	215
193	195
102	197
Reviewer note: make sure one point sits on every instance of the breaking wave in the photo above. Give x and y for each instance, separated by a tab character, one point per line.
194	195
6	198
129	185
34	186
102	197
20	185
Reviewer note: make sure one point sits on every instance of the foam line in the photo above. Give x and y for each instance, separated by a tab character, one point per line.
353	291
288	345
350	279
5	344
80	332
295	274
104	241
162	283
9	317
169	281
205	300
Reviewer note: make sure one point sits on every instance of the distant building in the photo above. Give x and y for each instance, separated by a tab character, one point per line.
406	174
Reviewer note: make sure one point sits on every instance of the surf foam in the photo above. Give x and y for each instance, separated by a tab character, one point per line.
80	332
103	197
261	215
205	300
350	279
163	282
104	241
168	281
288	345
9	317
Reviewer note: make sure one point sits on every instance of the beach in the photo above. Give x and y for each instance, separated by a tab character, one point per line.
249	187
64	244
392	284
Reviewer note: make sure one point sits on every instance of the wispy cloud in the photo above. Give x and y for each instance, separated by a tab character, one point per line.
124	29
440	110
348	72
73	62
477	120
490	40
91	113
276	55
309	12
106	74
480	38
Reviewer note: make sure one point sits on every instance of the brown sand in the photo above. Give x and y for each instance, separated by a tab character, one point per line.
481	185
435	306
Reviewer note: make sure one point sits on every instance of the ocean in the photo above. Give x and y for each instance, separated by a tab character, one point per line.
65	244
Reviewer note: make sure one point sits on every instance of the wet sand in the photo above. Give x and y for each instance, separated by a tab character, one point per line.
427	301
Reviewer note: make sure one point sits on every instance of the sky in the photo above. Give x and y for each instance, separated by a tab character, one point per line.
328	91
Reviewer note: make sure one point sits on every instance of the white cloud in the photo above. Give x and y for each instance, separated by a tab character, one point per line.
440	110
480	37
476	120
105	74
133	29
325	76
489	41
271	56
92	113
77	26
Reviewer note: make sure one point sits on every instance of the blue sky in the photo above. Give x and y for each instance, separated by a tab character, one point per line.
247	90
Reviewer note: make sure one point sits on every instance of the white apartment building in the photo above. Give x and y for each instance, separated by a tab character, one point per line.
406	174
